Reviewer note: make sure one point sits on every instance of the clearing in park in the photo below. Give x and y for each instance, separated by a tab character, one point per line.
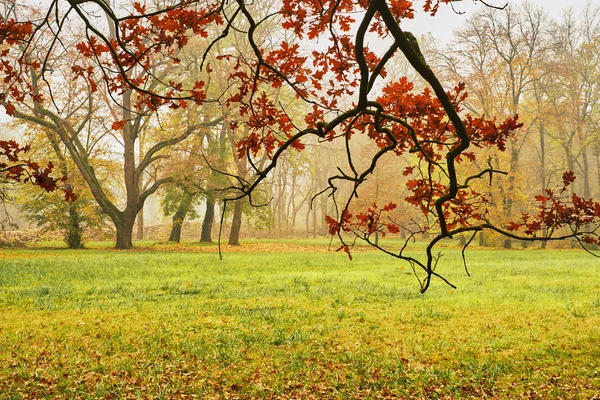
291	320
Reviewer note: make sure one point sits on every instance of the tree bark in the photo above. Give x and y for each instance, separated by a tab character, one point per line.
73	239
324	226
124	228
207	223
543	169
179	217
508	200
587	192
314	222
236	223
140	225
73	236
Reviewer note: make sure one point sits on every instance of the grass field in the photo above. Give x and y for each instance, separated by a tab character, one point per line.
296	322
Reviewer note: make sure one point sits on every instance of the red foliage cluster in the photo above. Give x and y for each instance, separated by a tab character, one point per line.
13	34
365	223
141	37
398	119
16	168
263	118
558	209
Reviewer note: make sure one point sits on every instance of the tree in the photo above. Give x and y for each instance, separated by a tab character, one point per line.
574	97
337	80
499	54
178	201
51	212
81	118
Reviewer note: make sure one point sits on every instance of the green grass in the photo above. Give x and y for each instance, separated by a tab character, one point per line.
170	324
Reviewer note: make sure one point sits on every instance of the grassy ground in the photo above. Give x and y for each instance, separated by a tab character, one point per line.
303	324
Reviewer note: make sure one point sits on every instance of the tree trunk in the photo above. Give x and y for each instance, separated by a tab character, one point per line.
508	200
307	222
542	157
587	192
543	170
236	223
179	217
73	237
139	235
207	223
125	231
175	235
324	226
314	222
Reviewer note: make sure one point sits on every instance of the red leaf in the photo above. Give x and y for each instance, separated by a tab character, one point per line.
118	125
10	109
70	196
333	225
389	207
393	228
513	226
568	178
408	171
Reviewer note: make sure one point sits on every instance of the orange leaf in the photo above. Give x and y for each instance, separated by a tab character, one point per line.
118	125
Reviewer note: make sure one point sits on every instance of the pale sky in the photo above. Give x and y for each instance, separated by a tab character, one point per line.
446	20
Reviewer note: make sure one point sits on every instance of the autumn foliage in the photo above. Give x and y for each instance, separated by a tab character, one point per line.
558	209
16	168
325	63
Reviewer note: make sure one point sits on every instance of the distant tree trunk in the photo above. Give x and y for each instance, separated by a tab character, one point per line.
314	221
139	235
543	168
207	223
508	200
291	209
307	222
236	223
175	235
571	161
587	191
73	239
542	157
279	206
324	226
179	217
597	153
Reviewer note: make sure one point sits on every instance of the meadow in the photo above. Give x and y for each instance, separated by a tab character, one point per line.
290	320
